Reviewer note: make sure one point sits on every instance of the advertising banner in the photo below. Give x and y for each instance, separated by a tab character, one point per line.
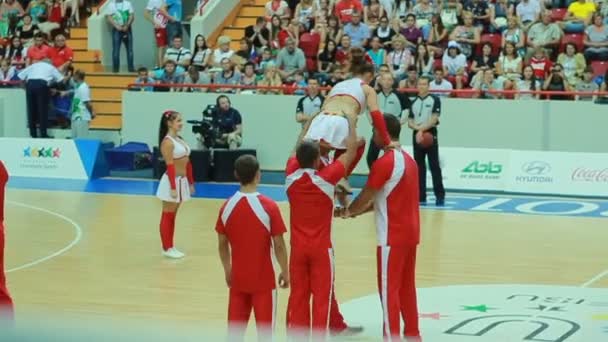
43	158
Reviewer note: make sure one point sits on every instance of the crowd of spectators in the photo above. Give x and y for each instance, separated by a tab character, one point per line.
475	44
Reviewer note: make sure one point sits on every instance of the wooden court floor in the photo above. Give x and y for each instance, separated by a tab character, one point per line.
99	255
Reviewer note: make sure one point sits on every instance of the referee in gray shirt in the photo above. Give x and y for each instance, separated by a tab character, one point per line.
390	102
424	117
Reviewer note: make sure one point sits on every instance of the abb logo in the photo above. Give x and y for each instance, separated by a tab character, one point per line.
590	175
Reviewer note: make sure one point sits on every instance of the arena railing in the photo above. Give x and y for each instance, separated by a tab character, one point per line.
547	94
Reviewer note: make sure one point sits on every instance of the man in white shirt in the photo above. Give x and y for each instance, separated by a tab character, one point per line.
82	111
528	12
178	53
156	13
120	15
38	77
440	83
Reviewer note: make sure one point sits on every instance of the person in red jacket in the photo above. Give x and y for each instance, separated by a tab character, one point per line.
6	303
540	64
345	8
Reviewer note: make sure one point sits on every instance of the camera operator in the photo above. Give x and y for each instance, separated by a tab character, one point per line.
229	124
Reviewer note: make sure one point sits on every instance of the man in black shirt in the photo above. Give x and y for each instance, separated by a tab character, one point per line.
310	104
229	122
481	12
257	34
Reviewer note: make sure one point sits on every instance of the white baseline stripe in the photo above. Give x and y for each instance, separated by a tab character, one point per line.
594	279
75	241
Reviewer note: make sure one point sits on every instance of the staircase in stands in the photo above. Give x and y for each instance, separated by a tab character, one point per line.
242	16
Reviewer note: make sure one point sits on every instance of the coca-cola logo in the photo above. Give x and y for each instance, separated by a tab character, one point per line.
584	174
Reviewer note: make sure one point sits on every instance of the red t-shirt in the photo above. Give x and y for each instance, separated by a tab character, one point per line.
311	203
395	177
60	56
35	53
541	66
344	9
3	181
249	221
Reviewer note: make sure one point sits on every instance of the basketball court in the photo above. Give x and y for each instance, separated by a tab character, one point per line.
490	268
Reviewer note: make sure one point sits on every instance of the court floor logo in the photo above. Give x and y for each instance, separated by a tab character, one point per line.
498	313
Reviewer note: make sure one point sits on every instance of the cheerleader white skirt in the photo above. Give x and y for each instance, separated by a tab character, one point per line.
329	128
181	187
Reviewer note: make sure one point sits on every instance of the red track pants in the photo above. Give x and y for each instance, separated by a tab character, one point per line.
397	287
6	304
312	275
264	306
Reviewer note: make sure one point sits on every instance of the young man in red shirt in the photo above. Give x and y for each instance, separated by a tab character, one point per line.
392	193
345	8
248	226
311	199
6	304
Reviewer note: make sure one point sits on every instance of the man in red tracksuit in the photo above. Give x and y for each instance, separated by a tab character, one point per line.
311	198
392	193
6	304
249	226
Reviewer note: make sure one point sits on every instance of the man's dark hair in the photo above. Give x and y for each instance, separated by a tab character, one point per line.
142	69
393	125
80	74
246	167
178	37
412	68
260	20
422	78
307	153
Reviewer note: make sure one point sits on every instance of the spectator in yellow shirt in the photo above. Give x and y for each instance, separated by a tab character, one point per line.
579	16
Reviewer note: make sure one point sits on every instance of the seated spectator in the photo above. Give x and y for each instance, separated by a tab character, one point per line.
372	14
10	12
222	52
587	85
499	15
271	78
267	59
486	84
467	35
509	67
411	82
357	31
305	11
424	60
39	51
326	59
384	32
382	69
334	31
572	64
540	64
604	85
345	8
402	8
228	75
290	59
201	57
258	35
578	16
16	54
438	37
60	54
54	18
230	125
196	77
528	82
337	76
299	82
412	34
485	61
377	54
279	8
455	65
291	31
310	104
178	53
144	78
556	81
275	28
481	13
424	11
596	39
450	14
400	58
27	31
343	50
170	73
37	10
514	34
8	73
544	34
528	12
248	78
246	53
440	83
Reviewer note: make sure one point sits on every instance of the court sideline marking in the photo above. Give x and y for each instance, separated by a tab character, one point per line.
595	278
74	242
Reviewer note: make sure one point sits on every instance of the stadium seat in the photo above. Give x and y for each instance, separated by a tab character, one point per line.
558	14
309	43
576	38
599	68
494	39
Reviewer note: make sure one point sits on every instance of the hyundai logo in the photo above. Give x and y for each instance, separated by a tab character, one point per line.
536	168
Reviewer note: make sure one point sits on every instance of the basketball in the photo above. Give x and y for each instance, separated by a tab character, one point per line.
427	140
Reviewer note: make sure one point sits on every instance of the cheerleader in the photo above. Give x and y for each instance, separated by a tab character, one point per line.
6	304
177	184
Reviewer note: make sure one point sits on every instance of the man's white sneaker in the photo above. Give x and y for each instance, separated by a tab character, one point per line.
173	253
